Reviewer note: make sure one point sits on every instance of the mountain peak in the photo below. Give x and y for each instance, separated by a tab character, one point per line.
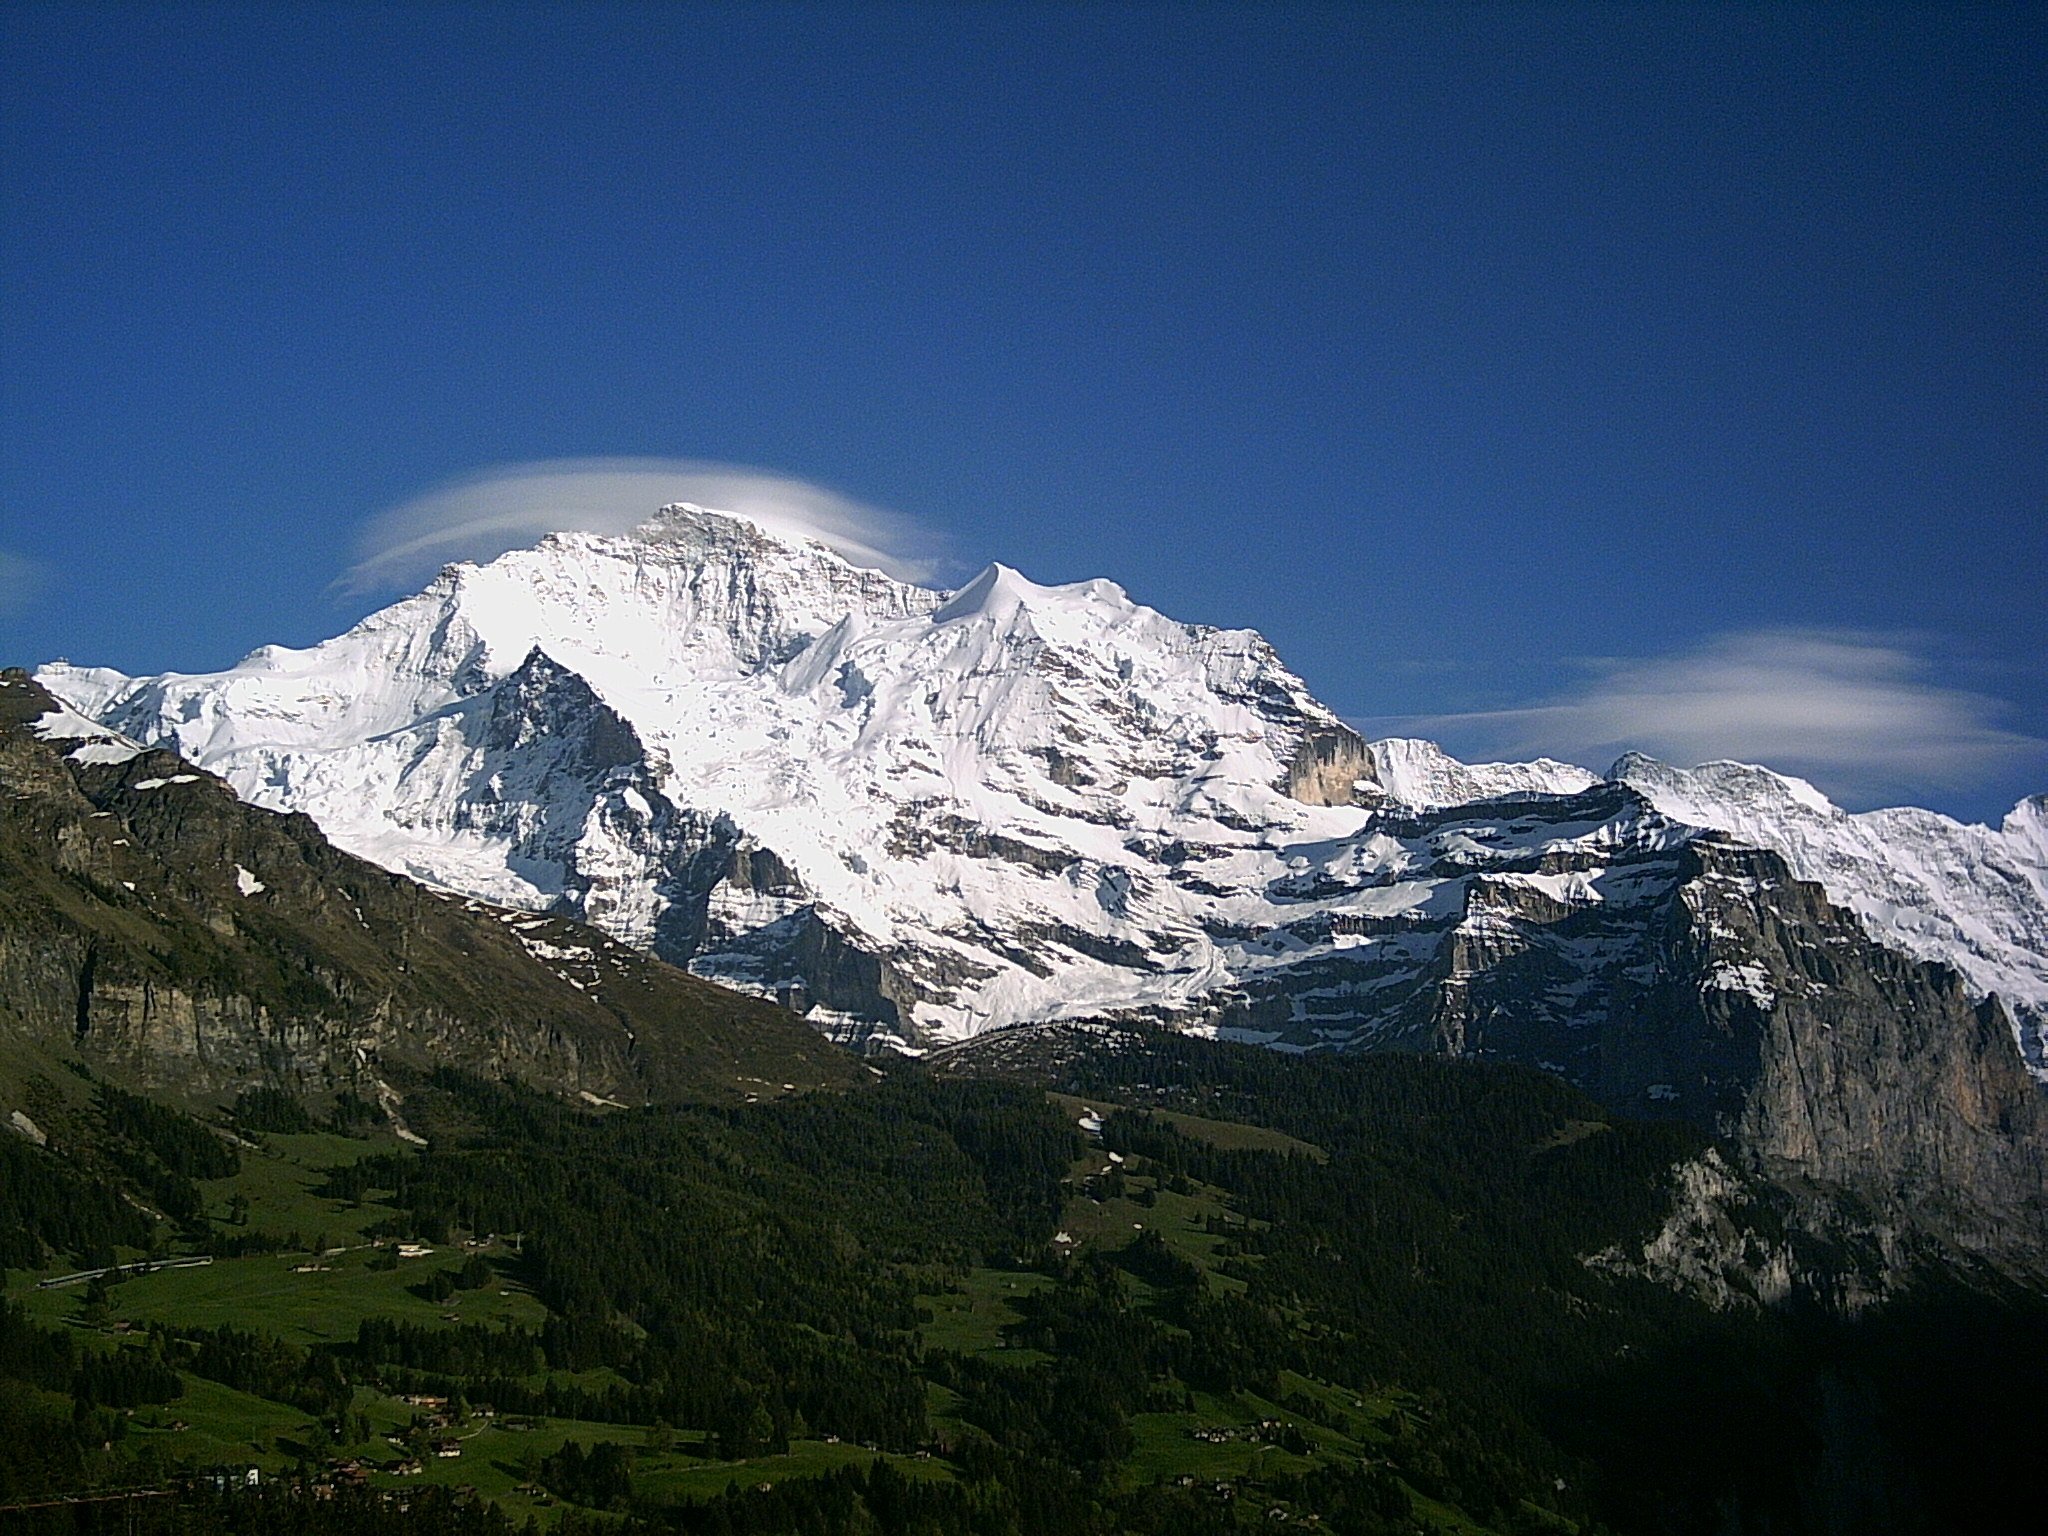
688	524
692	529
998	591
1679	791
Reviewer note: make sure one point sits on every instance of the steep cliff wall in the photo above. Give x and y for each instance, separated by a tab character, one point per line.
1328	767
1871	1087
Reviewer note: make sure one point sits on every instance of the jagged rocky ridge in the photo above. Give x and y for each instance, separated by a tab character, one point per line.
168	933
916	816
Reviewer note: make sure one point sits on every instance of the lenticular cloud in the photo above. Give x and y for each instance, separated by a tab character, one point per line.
1861	714
481	516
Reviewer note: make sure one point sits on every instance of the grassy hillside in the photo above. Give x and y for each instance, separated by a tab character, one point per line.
928	1282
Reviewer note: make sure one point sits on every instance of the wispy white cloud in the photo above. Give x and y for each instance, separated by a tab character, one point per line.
1864	716
22	581
483	515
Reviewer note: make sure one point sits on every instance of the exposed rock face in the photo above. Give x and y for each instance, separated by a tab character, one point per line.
1733	1239
1972	897
1831	1064
1837	1068
1333	767
158	927
1876	1074
1708	1244
1752	1006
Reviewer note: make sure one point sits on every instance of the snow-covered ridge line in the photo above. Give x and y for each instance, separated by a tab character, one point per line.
1422	774
920	814
1969	896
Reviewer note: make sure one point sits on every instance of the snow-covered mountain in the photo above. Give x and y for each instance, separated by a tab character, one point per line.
918	815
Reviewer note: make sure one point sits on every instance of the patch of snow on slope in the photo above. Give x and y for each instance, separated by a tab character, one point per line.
96	744
1422	774
1750	978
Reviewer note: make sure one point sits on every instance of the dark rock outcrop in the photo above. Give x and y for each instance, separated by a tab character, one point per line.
1891	1109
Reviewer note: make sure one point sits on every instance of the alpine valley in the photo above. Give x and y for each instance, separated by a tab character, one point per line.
1468	1130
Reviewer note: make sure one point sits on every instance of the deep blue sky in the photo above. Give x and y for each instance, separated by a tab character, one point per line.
1484	358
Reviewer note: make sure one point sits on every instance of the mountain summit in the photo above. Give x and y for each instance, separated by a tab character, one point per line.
916	813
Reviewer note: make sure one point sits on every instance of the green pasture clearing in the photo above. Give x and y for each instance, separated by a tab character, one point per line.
680	1479
1231	1135
1166	1446
941	1403
278	1179
1236	1136
498	1462
261	1292
1442	1519
1366	1415
969	1319
596	1378
223	1426
1181	1220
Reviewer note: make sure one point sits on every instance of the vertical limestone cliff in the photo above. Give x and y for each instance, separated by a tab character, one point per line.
1890	1108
